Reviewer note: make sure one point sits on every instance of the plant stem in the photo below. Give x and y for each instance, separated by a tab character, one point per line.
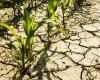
64	20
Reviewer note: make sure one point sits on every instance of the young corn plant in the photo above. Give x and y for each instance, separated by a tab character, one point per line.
24	55
51	23
64	7
51	10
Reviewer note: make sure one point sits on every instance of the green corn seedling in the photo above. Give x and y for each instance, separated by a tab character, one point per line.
51	9
64	7
24	54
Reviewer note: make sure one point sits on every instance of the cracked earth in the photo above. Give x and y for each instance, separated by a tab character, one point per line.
78	56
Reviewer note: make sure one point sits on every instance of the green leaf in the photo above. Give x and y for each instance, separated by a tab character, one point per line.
32	20
27	21
9	28
36	26
51	8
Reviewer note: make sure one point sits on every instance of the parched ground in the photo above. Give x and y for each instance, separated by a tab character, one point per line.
77	57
